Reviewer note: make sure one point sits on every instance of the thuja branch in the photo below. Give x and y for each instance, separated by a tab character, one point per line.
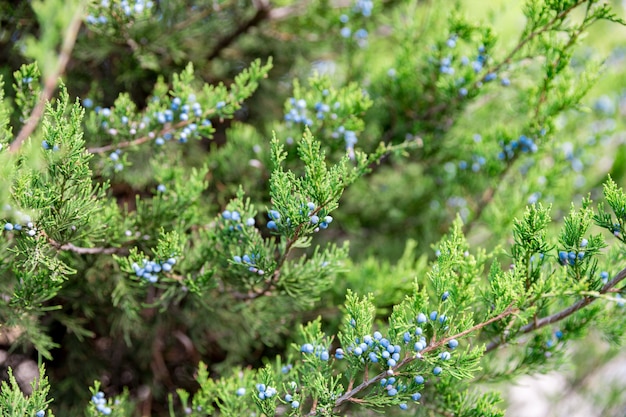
51	80
349	396
566	312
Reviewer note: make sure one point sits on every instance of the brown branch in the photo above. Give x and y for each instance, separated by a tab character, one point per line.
51	80
85	251
578	305
262	12
140	140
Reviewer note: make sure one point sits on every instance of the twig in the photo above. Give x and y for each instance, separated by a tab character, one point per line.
348	396
545	321
85	251
262	12
51	80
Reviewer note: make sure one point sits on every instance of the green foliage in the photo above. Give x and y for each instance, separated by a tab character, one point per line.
312	209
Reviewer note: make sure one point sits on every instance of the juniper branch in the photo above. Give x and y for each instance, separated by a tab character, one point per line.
566	312
348	396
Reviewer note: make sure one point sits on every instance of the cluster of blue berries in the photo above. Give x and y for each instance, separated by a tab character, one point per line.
274	217
30	230
235	217
115	157
149	270
570	258
128	8
264	392
393	387
179	111
250	262
298	112
476	164
364	8
349	136
47	147
319	351
524	144
375	349
294	403
552	342
101	404
322	223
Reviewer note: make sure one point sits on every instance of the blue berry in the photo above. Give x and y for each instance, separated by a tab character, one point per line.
391	362
161	188
419	379
295	404
315	219
373	357
40	413
433	315
437	370
604	276
444	356
274	215
453	344
250	221
421	318
416	396
358	351
272	225
288	398
445	296
307	348
558	334
339	353
240	392
407	337
403	406
235	216
324	355
392	392
8	227
377	335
